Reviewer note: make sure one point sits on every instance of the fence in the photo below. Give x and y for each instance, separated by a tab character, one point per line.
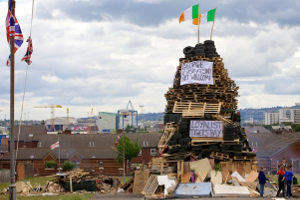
4	176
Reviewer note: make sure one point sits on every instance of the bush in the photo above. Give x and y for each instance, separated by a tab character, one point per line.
50	164
68	166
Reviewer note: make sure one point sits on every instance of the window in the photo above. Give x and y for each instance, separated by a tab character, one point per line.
152	152
77	163
101	164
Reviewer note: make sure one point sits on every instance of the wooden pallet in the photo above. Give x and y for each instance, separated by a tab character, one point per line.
193	109
151	185
169	131
204	141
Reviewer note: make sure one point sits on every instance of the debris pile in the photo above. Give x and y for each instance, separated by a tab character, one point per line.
89	180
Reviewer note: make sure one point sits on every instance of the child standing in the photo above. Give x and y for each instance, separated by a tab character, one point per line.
262	181
280	182
288	176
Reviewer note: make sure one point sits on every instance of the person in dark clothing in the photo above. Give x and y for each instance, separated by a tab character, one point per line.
280	174
262	181
288	176
284	164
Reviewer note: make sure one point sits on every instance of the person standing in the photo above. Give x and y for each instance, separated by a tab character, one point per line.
280	174
284	164
262	181
288	176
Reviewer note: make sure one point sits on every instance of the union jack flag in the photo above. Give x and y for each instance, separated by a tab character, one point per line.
118	138
254	150
29	51
13	29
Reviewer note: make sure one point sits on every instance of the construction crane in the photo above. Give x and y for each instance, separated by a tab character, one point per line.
123	113
68	118
52	106
90	122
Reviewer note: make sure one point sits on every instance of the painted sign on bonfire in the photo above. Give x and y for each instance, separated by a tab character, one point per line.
200	72
210	129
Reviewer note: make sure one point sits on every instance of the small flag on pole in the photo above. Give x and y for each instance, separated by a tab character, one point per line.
190	13
29	51
13	29
206	17
118	138
55	145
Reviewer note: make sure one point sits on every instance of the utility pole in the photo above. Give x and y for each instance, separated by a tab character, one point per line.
12	186
124	178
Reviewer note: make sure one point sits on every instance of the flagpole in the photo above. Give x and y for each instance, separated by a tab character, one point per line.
58	157
198	23
212	28
12	186
124	178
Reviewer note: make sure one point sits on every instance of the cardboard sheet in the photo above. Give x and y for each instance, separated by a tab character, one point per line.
201	167
238	176
140	180
215	177
252	176
186	177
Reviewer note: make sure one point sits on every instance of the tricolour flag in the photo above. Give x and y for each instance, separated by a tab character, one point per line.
55	145
206	17
29	51
13	29
190	13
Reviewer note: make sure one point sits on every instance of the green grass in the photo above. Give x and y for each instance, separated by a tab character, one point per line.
59	197
34	181
121	178
274	178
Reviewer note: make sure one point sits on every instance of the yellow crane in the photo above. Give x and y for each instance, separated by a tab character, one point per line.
90	122
52	107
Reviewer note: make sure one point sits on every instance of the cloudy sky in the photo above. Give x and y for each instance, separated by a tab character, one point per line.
102	53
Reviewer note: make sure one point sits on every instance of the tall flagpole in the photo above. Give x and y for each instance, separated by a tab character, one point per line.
212	28
12	186
58	157
124	178
198	23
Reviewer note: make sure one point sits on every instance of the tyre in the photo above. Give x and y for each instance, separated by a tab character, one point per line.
189	55
211	49
173	150
236	147
199	54
210	55
172	142
207	116
184	140
198	51
166	118
197	149
209	42
175	117
229	128
204	155
188	50
199	46
176	137
186	147
182	151
181	59
224	146
209	52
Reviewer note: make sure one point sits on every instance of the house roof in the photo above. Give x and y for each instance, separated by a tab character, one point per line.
269	144
29	132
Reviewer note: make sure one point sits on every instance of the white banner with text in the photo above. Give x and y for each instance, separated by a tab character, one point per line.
210	129
200	72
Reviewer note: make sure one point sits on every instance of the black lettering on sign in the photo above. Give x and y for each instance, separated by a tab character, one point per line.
211	129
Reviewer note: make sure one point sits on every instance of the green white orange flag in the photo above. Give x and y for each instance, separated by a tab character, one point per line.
190	13
206	17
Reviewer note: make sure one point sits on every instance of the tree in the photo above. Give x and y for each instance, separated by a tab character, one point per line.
50	164
132	149
67	166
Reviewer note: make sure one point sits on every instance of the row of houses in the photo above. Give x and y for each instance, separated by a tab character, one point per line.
92	151
271	148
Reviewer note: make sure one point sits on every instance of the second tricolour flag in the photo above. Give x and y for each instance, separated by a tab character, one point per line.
192	13
55	145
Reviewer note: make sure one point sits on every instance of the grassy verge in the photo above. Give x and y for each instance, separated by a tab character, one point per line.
274	178
122	179
59	197
34	181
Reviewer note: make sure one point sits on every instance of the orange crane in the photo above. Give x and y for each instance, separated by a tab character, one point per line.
90	122
52	107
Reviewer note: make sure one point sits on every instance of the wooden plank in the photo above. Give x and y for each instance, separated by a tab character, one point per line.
252	176
186	177
140	180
